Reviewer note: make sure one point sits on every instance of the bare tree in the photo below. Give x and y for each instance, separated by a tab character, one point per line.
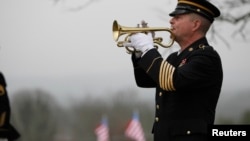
82	5
228	8
236	13
34	115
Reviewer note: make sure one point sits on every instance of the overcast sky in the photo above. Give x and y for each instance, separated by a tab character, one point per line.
64	50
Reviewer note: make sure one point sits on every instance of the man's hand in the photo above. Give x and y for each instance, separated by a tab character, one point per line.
141	42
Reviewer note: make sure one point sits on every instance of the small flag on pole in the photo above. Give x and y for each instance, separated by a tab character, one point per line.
102	130
134	129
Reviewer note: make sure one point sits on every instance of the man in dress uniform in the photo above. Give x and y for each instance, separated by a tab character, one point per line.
7	131
188	83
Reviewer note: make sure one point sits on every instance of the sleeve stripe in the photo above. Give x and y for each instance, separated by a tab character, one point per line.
166	76
171	84
152	64
161	74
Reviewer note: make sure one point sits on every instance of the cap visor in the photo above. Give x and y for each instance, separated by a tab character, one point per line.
178	12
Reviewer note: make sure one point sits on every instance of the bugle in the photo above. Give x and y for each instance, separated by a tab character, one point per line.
119	30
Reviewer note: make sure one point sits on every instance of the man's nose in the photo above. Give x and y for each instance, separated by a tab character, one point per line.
171	21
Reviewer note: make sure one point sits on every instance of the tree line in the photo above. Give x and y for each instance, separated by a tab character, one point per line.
39	117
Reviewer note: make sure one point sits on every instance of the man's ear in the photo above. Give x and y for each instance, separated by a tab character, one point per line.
196	24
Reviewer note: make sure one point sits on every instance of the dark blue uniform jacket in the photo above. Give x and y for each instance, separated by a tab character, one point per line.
187	86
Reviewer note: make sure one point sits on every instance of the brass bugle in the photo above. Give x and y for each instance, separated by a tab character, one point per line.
119	30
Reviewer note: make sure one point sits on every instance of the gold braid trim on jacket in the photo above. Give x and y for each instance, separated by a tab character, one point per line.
166	76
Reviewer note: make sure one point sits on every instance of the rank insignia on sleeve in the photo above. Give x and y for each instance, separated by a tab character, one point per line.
2	92
183	62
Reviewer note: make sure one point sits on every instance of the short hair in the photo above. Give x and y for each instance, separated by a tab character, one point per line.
205	23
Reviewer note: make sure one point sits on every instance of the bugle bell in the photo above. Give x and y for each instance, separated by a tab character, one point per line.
119	30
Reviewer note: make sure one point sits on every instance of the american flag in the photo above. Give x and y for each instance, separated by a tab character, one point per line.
102	130
134	129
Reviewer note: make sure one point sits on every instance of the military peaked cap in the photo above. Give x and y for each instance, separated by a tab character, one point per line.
201	7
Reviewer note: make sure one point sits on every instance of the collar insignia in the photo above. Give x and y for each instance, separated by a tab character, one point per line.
183	62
